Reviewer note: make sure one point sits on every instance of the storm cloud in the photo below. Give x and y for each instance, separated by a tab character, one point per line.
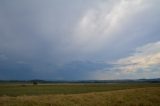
143	63
73	40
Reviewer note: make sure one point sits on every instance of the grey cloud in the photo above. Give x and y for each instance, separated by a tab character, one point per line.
3	57
144	62
43	38
79	70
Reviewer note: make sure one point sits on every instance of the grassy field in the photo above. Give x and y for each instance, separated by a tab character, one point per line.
80	95
17	90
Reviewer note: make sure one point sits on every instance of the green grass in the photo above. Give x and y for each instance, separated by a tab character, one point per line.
149	96
18	90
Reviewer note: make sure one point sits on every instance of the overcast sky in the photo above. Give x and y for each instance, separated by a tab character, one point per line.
79	39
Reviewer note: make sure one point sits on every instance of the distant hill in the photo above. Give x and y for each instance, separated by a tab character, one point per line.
155	80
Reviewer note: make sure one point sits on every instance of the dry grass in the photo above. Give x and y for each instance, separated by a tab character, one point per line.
20	90
131	97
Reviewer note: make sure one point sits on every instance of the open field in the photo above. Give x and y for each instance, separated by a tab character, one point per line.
81	95
18	89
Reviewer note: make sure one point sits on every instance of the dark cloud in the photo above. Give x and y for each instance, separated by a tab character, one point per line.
55	39
79	70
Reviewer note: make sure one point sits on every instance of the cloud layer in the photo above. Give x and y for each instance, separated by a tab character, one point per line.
72	40
144	63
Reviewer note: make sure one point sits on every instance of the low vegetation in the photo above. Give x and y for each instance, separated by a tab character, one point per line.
81	95
19	89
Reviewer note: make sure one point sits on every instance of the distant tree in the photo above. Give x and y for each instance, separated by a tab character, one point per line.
35	83
23	85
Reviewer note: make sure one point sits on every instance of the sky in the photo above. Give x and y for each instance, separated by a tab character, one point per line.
79	39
